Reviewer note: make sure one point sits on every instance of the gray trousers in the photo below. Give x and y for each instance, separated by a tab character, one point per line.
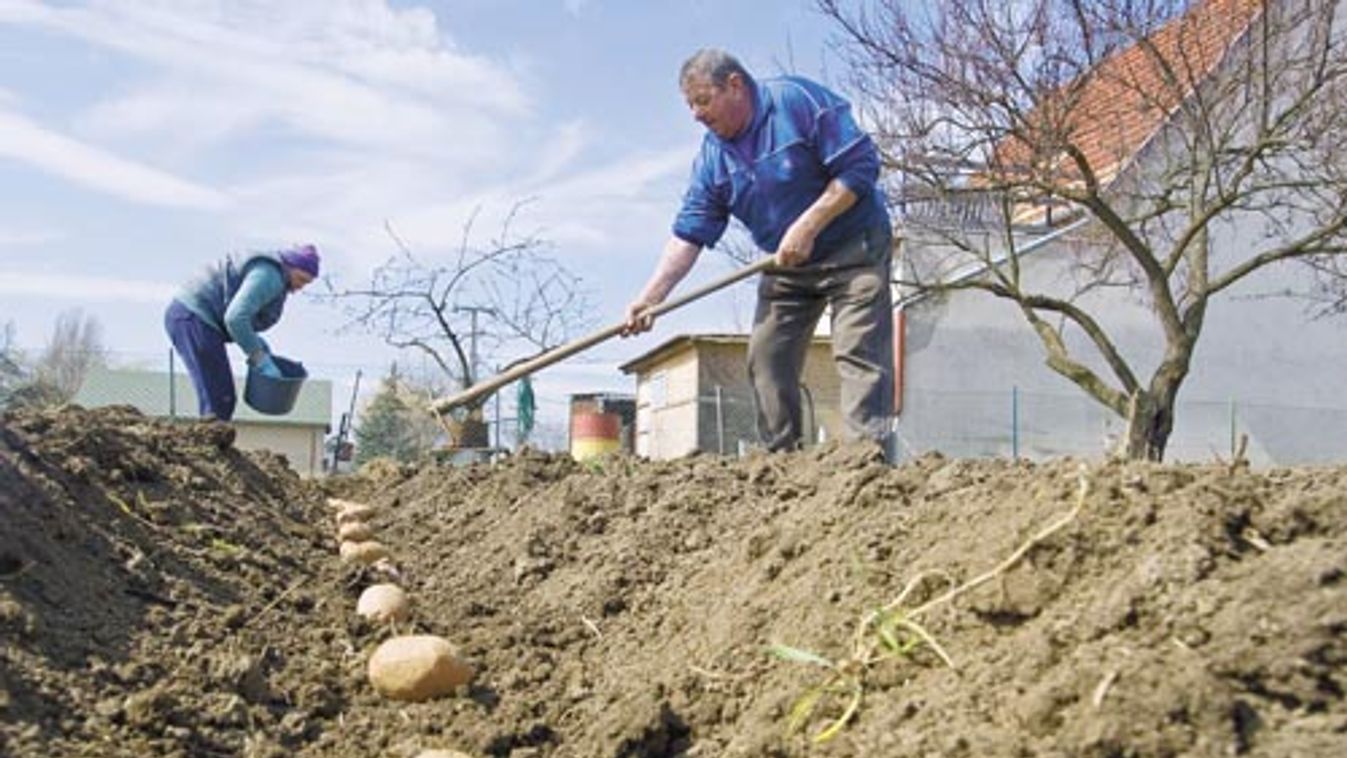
854	280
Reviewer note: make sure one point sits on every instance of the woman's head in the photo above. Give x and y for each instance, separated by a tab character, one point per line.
301	265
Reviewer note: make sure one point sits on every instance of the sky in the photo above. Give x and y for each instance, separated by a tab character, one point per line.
142	139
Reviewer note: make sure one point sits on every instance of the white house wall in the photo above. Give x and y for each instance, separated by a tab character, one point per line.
976	382
666	408
302	446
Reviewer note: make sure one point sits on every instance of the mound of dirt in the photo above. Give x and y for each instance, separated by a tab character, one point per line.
158	592
163	594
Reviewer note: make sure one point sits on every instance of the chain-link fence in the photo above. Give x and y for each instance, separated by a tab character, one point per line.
721	420
1012	424
729	419
157	383
1015	423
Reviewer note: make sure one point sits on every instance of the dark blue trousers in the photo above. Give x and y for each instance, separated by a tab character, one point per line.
203	351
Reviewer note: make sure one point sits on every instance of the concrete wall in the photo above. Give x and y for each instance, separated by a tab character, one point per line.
976	383
1263	367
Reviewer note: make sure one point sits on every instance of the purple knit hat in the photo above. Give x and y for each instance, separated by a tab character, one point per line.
302	257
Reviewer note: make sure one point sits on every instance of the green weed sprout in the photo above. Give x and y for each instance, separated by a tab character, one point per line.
225	547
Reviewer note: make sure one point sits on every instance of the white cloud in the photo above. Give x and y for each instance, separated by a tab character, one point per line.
16	238
355	72
345	202
352	112
630	200
84	288
575	7
608	203
98	169
624	178
559	152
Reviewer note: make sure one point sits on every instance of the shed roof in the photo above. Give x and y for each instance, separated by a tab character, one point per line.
681	342
149	392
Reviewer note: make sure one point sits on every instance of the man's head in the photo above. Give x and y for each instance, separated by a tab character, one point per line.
719	90
301	266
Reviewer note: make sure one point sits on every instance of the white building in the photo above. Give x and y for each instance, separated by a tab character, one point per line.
971	370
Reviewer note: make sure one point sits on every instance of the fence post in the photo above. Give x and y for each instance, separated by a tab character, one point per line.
720	420
498	435
1234	442
1015	421
172	388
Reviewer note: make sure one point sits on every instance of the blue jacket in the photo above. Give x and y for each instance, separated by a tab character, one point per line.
801	137
238	297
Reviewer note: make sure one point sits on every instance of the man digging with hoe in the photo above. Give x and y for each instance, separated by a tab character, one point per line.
785	157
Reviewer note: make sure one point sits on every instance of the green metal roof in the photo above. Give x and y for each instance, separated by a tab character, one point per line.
151	394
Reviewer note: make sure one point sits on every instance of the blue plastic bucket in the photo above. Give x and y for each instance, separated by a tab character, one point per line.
275	397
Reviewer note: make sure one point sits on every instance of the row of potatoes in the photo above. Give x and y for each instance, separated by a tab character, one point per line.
407	667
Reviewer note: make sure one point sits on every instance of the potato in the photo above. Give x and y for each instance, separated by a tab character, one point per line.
354	531
354	512
336	503
417	667
382	603
363	553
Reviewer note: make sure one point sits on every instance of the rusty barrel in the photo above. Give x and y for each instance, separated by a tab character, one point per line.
595	434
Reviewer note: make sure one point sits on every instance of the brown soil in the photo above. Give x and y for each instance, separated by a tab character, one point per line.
162	593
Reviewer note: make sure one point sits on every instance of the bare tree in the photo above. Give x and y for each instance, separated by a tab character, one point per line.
75	347
489	305
1156	124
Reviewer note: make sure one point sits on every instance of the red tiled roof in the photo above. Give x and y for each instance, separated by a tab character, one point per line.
1116	108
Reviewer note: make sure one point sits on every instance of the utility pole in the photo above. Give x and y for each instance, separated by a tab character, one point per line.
471	379
498	416
472	311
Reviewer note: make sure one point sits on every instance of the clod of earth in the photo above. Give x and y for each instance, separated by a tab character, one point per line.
417	667
383	603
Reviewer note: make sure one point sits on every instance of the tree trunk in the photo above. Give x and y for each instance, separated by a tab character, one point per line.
471	431
1150	420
